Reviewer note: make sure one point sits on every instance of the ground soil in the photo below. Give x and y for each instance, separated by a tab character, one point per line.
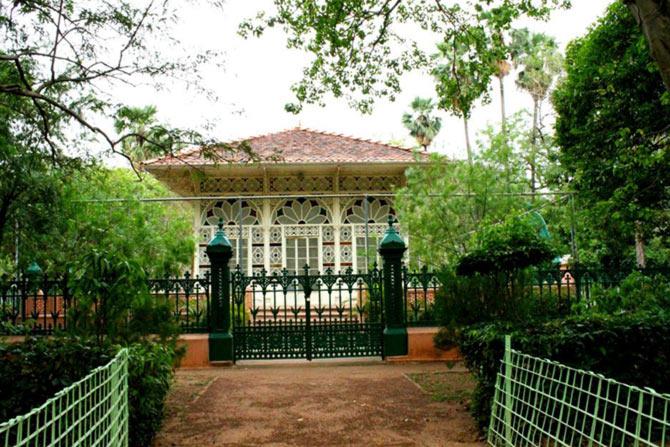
319	404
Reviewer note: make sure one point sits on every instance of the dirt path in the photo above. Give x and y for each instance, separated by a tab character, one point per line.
317	405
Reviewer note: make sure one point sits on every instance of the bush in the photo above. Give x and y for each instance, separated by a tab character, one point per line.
25	383
513	245
639	291
150	373
508	296
33	371
631	348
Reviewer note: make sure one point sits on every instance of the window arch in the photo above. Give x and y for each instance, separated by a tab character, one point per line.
378	211
301	212
231	211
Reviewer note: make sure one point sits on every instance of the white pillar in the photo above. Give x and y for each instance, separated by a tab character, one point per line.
337	224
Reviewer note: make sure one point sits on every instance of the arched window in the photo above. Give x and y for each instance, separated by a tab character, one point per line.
302	222
361	251
232	211
246	239
378	211
301	212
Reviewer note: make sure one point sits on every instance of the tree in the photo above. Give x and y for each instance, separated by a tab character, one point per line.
538	56
444	203
359	49
148	137
653	17
64	58
421	124
612	130
462	78
156	236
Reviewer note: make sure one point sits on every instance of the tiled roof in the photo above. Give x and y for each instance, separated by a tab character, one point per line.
296	146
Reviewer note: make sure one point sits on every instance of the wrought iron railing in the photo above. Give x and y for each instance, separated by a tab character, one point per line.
188	298
40	305
36	304
420	291
344	296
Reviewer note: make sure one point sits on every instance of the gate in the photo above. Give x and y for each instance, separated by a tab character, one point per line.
302	315
305	316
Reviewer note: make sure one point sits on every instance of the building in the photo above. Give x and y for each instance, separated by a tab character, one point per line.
304	197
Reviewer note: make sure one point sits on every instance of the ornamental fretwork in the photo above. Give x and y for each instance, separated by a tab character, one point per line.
252	185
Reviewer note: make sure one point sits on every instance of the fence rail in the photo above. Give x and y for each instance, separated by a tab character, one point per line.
43	303
91	412
539	402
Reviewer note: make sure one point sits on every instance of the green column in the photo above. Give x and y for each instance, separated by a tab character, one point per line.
391	249
219	250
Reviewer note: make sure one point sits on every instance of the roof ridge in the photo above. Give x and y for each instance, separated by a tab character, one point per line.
364	140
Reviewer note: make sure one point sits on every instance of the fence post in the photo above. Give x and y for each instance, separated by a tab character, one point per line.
219	250
507	415
391	249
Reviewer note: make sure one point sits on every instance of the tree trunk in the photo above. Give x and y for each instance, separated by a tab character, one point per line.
502	107
468	147
640	255
653	16
532	161
503	126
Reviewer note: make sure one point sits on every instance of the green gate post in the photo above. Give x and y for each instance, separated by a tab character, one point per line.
391	249
219	250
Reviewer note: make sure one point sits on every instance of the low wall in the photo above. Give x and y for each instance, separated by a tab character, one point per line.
420	347
197	350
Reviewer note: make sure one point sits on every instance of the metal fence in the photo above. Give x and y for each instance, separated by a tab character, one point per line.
42	304
91	412
539	402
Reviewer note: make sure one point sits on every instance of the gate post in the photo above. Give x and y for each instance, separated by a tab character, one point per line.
391	249
219	250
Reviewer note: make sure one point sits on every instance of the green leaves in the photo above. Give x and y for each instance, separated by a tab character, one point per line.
611	129
513	245
421	125
360	48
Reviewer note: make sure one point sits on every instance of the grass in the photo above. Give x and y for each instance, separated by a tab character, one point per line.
445	386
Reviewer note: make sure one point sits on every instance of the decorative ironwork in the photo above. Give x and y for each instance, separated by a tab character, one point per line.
301	315
380	183
232	184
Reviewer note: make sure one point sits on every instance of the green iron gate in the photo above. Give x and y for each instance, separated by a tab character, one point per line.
305	316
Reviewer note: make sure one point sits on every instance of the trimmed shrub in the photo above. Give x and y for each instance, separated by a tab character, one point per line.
631	348
33	371
508	296
27	382
512	245
150	374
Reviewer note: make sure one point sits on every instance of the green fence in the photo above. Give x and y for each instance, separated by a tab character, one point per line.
540	402
91	412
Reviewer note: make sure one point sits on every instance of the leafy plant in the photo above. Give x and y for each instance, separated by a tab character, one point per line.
513	245
150	374
639	291
631	348
25	379
114	303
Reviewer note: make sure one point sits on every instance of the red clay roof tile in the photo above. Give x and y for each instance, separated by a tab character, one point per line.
298	146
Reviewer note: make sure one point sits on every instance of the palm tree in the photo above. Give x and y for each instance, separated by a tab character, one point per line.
421	124
141	124
461	79
540	62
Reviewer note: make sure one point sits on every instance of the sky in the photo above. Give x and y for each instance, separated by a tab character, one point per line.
254	84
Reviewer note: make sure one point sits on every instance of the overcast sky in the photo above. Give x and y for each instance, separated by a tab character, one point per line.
255	83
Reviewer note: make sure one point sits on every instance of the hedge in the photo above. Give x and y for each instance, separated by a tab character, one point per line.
631	348
33	371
